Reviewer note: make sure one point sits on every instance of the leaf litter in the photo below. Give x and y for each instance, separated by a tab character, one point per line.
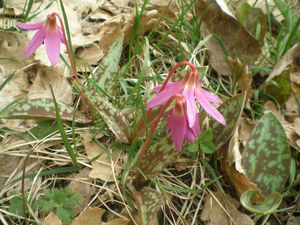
240	59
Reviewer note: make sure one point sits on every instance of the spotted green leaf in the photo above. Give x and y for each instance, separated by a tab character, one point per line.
41	109
111	115
149	204
231	110
105	73
158	155
267	156
267	206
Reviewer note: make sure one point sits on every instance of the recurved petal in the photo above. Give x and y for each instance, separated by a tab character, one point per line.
165	95
190	136
178	125
61	36
29	26
35	42
208	107
196	127
210	97
52	42
189	95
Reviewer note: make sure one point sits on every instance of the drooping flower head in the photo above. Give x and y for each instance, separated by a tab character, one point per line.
190	88
48	32
178	123
183	118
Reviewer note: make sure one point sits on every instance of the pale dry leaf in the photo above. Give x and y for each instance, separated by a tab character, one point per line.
285	61
16	5
45	77
12	45
293	220
51	219
297	126
234	156
90	216
235	39
80	184
223	211
245	129
101	167
118	221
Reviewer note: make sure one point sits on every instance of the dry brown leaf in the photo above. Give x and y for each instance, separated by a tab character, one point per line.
234	156
79	184
15	7
101	167
45	77
222	209
245	130
118	221
237	41
51	219
90	216
293	220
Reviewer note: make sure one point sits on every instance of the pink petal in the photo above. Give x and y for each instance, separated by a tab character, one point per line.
210	109
211	97
61	36
190	136
29	26
196	127
178	125
169	85
35	42
189	94
165	95
52	43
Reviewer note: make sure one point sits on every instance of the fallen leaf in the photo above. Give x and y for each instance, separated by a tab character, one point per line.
222	209
118	221
214	21
90	216
293	220
51	219
101	166
234	156
80	184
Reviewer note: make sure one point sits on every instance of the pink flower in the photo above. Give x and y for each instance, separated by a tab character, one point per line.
178	123
191	90
48	32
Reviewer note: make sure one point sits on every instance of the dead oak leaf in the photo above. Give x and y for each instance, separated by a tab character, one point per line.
102	166
51	219
90	216
235	40
222	209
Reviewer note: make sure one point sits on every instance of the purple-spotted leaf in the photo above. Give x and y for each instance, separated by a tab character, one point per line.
41	109
231	110
105	73
111	115
267	156
267	206
158	155
149	201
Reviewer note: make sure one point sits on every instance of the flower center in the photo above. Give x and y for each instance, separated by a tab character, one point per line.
50	23
179	107
191	79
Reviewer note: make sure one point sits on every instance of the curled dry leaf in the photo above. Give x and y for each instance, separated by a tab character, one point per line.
235	39
51	219
223	209
102	165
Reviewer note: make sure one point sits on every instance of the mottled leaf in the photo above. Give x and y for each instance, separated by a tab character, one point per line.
105	73
158	155
267	156
113	117
149	201
267	206
253	19
41	109
231	110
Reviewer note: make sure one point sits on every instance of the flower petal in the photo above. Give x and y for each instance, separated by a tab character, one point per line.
29	26
61	35
35	42
178	125
53	46
196	127
210	97
190	136
165	95
189	94
208	107
169	85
